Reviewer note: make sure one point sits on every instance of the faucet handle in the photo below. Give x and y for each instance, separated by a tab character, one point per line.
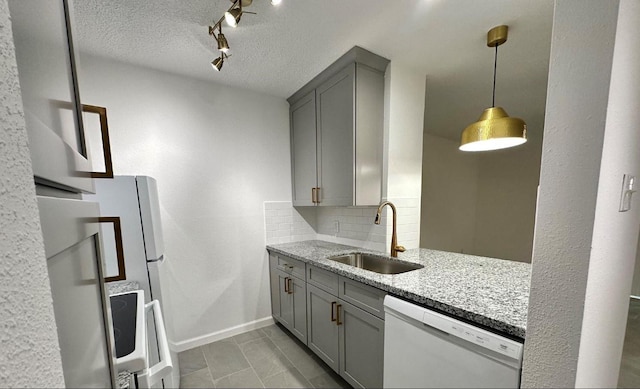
400	249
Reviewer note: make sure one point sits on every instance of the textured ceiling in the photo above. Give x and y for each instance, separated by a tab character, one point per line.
281	48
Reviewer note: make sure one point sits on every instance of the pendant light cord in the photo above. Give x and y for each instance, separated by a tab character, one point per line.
495	66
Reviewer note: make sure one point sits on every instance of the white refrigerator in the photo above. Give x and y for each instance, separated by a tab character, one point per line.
134	200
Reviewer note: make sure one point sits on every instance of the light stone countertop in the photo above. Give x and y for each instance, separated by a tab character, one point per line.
491	292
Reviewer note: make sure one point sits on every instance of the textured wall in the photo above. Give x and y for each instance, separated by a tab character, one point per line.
614	244
29	353
579	75
218	154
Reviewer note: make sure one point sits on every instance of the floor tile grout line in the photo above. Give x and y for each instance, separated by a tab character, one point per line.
276	373
265	335
251	365
213	381
239	371
289	359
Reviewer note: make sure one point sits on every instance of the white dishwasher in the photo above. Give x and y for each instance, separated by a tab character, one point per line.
425	349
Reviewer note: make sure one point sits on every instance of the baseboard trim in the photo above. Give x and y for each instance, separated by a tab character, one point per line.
219	335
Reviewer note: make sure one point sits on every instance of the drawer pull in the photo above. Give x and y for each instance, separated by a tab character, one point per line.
333	306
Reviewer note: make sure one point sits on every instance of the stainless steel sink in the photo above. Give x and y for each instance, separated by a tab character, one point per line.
376	264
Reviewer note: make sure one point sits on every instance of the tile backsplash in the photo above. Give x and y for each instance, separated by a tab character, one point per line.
347	225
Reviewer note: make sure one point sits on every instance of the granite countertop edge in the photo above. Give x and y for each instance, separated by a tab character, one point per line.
507	316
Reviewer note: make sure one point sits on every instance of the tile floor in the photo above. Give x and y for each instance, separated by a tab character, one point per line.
265	358
630	364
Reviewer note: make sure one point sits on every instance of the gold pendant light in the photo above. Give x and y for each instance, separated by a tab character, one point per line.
494	129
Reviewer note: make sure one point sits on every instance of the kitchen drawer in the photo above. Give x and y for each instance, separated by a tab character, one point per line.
292	266
323	279
363	296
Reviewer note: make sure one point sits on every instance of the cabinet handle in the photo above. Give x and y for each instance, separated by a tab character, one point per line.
313	195
338	322
290	288
333	306
317	195
286	285
106	145
119	248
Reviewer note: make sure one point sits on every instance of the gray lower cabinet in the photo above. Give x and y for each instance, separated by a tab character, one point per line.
346	338
339	319
322	326
361	339
290	301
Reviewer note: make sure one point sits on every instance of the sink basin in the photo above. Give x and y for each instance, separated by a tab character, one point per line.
376	264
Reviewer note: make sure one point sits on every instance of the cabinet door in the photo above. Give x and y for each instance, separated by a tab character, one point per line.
82	314
285	300
322	328
336	123
293	304
48	82
298	295
275	289
303	149
361	347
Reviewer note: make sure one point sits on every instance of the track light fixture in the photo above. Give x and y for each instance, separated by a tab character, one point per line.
218	62
223	45
232	17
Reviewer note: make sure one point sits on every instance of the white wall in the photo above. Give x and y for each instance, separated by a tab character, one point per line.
480	203
506	197
615	233
402	156
449	196
30	355
218	153
577	95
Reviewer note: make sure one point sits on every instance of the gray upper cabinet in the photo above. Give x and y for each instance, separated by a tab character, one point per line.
337	133
303	149
334	107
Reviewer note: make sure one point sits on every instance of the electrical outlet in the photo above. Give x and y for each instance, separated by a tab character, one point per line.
337	226
628	189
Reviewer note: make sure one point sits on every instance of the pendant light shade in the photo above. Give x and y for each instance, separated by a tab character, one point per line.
494	129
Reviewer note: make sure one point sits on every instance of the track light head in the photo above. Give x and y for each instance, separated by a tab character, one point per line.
223	45
232	17
276	2
217	63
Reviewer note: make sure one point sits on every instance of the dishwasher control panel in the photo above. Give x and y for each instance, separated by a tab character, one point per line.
451	326
486	339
